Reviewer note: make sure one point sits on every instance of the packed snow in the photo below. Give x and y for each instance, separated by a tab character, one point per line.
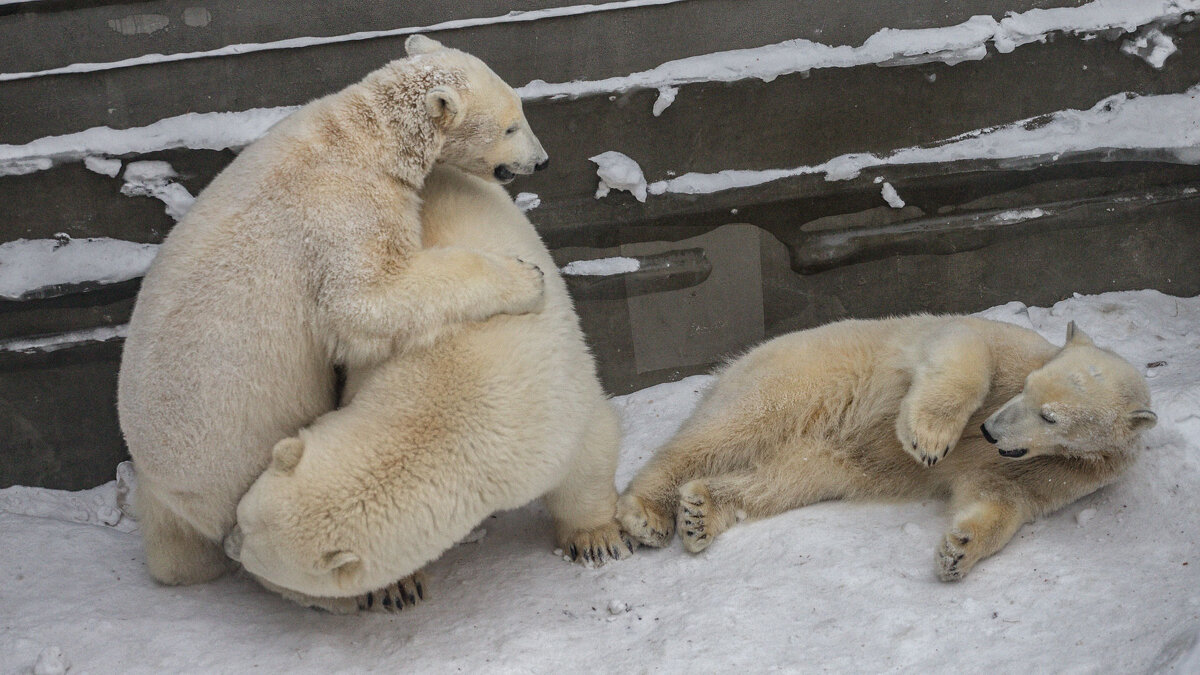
38	267
889	195
1152	45
57	341
154	179
1108	584
103	165
666	96
1168	122
527	201
618	172
601	267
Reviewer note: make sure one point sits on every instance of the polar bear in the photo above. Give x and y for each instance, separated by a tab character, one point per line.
304	253
898	408
433	440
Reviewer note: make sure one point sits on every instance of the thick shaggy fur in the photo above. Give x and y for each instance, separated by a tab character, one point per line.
893	409
433	440
304	253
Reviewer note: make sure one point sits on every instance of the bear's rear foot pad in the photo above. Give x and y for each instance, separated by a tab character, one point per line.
598	545
952	562
692	518
645	522
397	596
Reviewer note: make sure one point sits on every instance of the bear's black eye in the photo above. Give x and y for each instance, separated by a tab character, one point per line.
1048	418
511	130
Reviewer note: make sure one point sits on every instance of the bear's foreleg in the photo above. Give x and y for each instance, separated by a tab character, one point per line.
949	384
399	306
176	552
980	529
584	504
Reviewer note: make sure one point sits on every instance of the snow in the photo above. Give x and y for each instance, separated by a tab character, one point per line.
890	196
153	179
51	662
35	267
75	338
618	172
666	96
601	267
1151	45
527	201
1167	122
102	165
834	587
1018	215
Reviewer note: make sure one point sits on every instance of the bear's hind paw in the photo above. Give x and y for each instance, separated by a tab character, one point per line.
644	522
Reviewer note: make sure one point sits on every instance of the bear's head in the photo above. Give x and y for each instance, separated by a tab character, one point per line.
290	536
480	117
1083	402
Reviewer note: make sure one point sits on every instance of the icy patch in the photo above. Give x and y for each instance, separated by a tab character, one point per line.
1018	215
36	267
75	338
601	267
527	201
1151	45
1169	122
618	172
890	196
103	165
51	661
153	179
94	506
666	96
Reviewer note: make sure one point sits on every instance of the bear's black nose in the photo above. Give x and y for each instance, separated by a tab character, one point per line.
986	436
542	165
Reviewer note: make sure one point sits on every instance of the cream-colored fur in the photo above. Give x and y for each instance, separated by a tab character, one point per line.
893	409
304	253
433	440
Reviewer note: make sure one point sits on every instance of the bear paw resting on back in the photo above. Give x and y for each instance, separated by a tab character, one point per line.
306	252
432	440
989	414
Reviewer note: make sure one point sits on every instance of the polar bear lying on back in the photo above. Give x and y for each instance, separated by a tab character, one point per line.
842	412
304	252
433	440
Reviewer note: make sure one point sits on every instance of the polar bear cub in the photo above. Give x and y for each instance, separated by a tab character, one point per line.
988	414
306	252
433	440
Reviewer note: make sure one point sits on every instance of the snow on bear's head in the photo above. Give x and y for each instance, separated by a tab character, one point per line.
479	117
1083	402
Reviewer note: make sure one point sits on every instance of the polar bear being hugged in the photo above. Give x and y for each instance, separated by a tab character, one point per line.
434	439
306	252
894	409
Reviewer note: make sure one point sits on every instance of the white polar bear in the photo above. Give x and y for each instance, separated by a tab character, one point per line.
842	411
305	252
433	440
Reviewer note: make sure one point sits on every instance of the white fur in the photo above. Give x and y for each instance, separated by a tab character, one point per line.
305	252
433	440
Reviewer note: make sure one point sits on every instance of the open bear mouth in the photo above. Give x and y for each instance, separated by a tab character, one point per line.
1019	452
503	174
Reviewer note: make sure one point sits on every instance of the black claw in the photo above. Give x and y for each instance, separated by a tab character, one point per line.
370	600
690	533
914	445
387	600
612	551
574	552
420	590
409	598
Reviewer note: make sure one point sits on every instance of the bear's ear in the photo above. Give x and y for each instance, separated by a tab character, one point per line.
286	455
334	560
445	105
1076	337
1141	420
419	44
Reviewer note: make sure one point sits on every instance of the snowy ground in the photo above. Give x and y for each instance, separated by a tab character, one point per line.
1108	584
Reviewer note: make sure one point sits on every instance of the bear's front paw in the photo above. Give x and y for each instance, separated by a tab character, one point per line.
395	597
598	545
645	521
926	439
528	295
953	556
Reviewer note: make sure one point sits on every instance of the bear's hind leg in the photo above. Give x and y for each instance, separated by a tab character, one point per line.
980	529
584	504
176	553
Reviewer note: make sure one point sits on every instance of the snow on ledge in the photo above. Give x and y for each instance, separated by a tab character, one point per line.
601	267
618	172
1168	122
75	338
890	46
31	267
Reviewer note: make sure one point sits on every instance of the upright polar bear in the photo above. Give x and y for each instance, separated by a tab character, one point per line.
433	440
305	252
893	409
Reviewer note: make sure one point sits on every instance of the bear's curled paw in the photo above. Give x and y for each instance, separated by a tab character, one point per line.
645	521
928	440
528	287
598	545
952	556
396	596
692	518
